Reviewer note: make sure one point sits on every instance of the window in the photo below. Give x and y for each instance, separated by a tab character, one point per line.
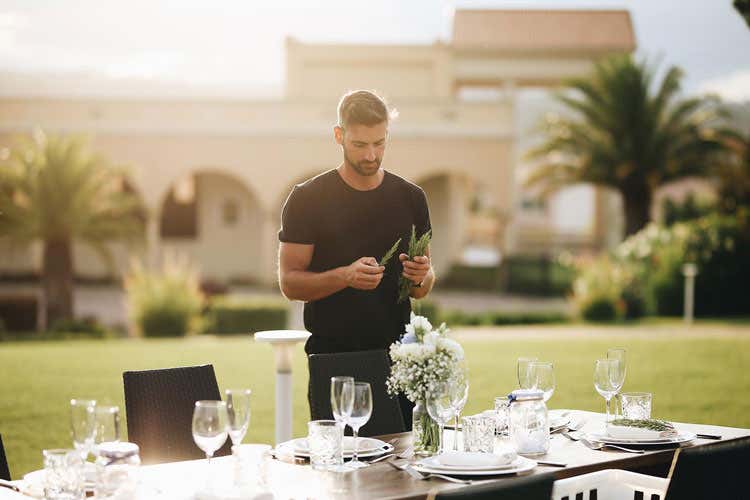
230	212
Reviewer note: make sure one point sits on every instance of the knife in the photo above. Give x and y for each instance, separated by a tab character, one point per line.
551	464
708	436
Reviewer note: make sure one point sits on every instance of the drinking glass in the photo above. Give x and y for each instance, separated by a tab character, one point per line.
502	413
106	425
63	475
636	405
607	379
542	375
342	398
210	427
238	413
459	394
82	425
524	375
479	433
620	354
441	410
326	442
360	414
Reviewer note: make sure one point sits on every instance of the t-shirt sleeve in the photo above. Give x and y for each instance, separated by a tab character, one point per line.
297	219
421	212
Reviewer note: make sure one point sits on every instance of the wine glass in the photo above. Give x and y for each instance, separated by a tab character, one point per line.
210	427
608	376
342	398
440	409
522	367
542	374
620	354
359	415
106	425
459	392
83	425
238	413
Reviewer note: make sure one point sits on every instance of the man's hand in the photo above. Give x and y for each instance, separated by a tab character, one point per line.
364	273
415	270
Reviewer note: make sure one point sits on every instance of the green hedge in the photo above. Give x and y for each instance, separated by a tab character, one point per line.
532	275
230	315
465	277
460	318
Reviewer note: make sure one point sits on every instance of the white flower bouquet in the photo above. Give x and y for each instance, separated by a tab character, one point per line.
423	359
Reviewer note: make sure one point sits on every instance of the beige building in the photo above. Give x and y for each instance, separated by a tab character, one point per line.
214	173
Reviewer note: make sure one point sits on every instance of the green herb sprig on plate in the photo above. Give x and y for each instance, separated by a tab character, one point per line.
650	424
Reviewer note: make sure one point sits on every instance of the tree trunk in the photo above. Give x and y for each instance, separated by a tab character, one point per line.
57	280
637	202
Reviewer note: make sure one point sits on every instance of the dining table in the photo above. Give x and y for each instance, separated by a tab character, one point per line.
288	477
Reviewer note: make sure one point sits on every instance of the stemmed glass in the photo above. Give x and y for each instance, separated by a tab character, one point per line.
542	375
524	375
608	379
620	354
359	415
441	410
210	427
459	392
238	413
83	425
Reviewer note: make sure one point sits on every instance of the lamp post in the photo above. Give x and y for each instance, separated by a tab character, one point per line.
283	342
689	270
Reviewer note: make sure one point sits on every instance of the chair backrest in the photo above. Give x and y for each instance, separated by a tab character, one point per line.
712	471
365	366
534	487
159	407
4	470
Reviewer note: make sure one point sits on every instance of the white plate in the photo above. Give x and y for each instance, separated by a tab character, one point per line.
364	444
682	437
520	464
288	449
35	480
433	463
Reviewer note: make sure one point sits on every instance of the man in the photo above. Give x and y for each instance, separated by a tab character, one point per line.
335	228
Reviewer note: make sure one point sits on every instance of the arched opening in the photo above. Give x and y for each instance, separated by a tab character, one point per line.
215	219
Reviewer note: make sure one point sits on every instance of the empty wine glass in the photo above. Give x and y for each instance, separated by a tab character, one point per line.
441	410
210	426
106	425
342	398
608	376
238	413
522	368
542	373
359	416
459	392
82	425
620	354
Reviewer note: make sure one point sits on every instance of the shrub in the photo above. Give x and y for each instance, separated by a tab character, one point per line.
428	309
537	275
461	318
601	309
19	312
463	277
83	327
599	288
232	314
166	302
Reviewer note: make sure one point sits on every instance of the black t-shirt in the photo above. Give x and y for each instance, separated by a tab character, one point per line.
345	224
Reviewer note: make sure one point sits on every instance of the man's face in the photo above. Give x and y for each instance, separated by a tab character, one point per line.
363	146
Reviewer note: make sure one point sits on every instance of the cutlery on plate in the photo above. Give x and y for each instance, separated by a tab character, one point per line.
409	469
8	484
384	457
599	446
708	436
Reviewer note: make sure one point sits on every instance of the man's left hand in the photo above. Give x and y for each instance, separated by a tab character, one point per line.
416	269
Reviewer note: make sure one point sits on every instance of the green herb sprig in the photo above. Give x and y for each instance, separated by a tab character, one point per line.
650	424
389	253
416	247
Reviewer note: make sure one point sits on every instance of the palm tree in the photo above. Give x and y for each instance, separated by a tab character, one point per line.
624	136
54	190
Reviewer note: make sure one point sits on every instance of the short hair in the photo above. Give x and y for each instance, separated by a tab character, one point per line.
363	107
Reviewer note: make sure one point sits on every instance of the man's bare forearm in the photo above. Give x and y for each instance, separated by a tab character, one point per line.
427	283
308	286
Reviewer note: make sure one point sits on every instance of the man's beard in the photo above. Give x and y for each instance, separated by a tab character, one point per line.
364	168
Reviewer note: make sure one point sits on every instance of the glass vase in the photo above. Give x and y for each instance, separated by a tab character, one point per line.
425	431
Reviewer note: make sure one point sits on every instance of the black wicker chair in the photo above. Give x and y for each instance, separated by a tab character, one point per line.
713	471
4	470
159	406
364	366
536	487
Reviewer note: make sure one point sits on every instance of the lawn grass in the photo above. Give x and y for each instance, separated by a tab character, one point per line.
702	379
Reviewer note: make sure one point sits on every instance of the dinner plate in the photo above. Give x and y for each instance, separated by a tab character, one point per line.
287	448
519	465
682	437
434	463
35	480
364	444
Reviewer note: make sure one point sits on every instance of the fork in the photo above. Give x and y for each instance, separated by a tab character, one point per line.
409	469
599	446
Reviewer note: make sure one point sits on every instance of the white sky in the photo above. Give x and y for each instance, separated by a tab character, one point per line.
239	45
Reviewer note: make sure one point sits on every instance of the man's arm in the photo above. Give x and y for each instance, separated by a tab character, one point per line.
297	283
419	271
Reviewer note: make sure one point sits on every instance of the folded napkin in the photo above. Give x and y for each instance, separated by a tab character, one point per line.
475	459
641	429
